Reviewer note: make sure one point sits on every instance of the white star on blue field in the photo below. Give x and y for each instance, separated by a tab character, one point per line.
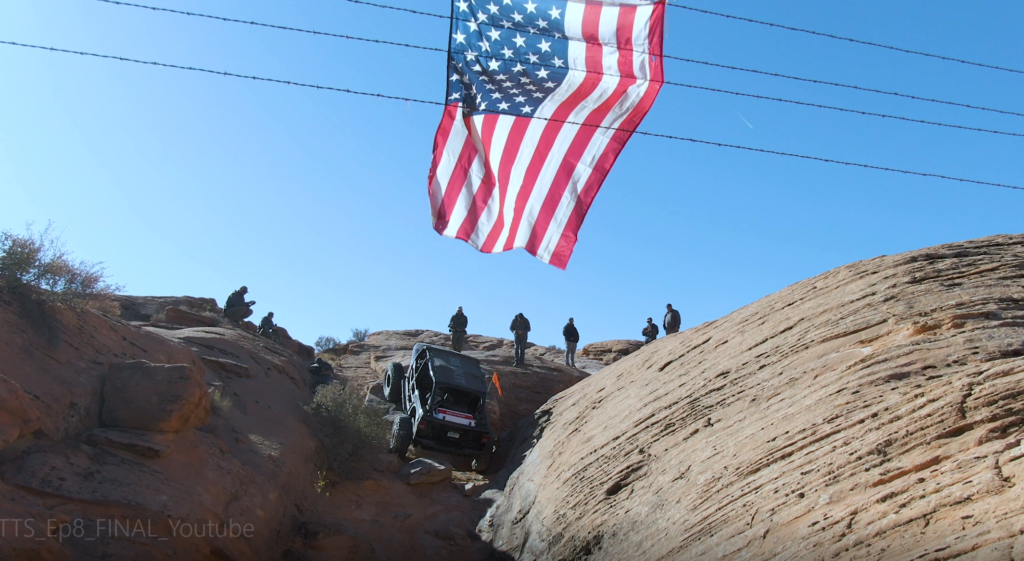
506	56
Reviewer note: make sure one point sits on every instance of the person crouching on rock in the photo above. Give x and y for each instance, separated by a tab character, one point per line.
650	332
321	371
236	308
572	336
521	328
267	327
457	326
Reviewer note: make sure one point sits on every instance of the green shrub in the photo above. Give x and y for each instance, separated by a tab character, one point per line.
359	335
325	342
40	260
351	431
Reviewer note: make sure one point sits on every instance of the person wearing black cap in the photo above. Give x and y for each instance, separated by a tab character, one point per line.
672	321
236	308
650	332
267	327
572	336
521	328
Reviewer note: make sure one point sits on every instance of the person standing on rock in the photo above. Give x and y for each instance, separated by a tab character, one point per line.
650	332
457	326
572	336
236	308
521	328
672	321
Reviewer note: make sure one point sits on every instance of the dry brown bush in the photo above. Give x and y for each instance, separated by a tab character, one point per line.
40	259
350	431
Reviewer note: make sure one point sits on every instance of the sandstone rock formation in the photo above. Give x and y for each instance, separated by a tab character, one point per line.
144	308
611	351
248	467
107	436
178	316
17	417
872	412
154	397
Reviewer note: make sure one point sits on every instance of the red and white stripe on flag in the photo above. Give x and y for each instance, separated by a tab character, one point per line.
505	181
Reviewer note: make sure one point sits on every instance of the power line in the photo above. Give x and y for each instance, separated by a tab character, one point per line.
541	32
386	7
848	39
845	110
668	82
736	68
221	73
437	103
849	86
273	26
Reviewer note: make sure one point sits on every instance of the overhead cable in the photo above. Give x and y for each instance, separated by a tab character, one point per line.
736	68
849	86
273	26
440	104
541	32
396	8
848	39
777	99
668	82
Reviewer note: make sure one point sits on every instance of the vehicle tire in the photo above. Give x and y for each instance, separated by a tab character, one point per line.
482	463
401	435
393	377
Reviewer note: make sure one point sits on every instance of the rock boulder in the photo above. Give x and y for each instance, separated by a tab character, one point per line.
425	470
611	351
17	416
177	316
154	397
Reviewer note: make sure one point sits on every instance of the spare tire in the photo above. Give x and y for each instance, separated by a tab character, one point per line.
393	377
401	435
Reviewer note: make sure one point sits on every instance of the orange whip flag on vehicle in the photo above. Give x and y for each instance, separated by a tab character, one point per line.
542	97
497	384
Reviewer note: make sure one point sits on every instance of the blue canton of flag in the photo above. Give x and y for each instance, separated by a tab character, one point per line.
506	55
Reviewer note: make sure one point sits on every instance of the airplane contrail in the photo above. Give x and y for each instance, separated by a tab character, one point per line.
744	120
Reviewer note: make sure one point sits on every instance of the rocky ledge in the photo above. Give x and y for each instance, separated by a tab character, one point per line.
873	412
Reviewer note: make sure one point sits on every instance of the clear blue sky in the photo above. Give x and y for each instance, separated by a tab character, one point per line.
184	183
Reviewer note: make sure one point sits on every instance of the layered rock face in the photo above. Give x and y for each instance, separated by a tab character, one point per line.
169	433
610	351
873	412
109	447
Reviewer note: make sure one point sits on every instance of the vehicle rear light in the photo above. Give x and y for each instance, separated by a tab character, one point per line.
422	425
485	439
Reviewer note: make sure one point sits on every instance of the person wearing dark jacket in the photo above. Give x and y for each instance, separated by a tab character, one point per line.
672	321
572	336
236	308
650	332
268	328
521	328
321	371
457	326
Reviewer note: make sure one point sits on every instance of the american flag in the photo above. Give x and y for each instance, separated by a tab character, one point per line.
542	97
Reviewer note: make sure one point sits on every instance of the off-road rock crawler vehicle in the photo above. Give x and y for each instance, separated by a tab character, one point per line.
445	404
